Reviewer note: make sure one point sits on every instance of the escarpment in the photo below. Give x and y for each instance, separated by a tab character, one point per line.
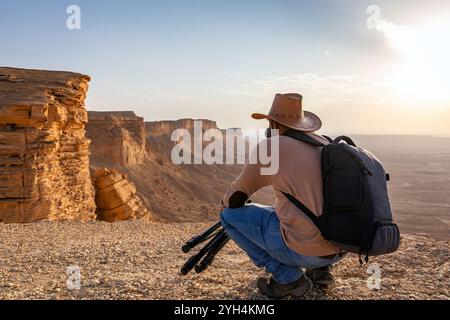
157	128
172	193
161	135
44	163
118	138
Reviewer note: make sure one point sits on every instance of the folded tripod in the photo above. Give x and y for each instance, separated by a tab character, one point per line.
204	258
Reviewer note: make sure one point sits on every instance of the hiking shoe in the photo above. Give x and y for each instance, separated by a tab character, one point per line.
273	290
322	276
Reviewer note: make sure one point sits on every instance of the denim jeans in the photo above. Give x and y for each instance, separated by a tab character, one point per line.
256	230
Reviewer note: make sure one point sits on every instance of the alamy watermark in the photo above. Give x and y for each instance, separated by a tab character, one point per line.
373	21
231	146
73	278
374	280
73	21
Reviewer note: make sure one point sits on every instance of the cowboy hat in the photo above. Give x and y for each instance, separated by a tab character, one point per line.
287	110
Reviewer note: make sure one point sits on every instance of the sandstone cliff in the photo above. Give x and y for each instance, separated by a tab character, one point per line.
44	171
116	197
117	138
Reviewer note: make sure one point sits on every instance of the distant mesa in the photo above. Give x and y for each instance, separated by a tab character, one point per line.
111	114
157	128
117	138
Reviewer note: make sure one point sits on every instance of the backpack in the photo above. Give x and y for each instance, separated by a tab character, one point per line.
357	215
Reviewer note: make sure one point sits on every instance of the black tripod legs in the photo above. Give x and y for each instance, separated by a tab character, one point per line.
209	251
208	260
196	240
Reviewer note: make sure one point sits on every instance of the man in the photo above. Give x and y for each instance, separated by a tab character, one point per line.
282	239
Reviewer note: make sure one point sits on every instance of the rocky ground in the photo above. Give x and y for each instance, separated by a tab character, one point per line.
141	260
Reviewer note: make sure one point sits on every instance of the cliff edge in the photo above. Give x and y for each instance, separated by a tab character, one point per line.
44	161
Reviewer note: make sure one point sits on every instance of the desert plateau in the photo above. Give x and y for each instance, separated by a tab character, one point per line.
98	190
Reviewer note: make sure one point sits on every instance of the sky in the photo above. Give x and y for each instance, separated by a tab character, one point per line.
365	67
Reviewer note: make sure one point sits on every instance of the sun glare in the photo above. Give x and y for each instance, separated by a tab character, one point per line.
424	74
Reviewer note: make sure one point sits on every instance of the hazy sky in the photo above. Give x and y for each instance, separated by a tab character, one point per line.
223	60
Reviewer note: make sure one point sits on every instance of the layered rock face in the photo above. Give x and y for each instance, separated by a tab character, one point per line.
117	138
44	164
169	192
157	128
116	197
159	133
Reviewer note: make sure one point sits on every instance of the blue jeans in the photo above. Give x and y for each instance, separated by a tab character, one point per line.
256	230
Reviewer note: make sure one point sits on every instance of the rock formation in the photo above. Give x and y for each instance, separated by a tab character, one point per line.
116	197
117	138
44	164
171	193
157	128
159	134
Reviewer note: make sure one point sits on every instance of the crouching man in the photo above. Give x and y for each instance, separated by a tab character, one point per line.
282	239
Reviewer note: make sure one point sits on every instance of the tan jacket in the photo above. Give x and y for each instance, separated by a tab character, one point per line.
300	175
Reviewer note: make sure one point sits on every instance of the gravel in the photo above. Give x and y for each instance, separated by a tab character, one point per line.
141	260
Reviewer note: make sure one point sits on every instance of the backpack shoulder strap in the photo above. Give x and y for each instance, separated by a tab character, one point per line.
328	138
298	135
346	139
315	219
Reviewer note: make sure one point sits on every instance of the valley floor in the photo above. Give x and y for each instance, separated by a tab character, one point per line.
141	260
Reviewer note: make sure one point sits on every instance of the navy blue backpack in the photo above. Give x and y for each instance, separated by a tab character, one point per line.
357	215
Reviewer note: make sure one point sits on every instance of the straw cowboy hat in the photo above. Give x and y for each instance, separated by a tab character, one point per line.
287	110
